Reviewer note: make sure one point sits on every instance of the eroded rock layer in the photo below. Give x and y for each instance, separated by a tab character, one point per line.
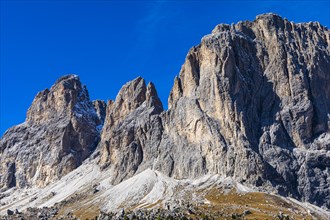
252	102
132	131
59	133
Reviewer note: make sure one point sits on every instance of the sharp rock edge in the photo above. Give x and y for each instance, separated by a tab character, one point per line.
251	103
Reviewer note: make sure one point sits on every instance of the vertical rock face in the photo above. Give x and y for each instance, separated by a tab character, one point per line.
251	102
58	134
132	130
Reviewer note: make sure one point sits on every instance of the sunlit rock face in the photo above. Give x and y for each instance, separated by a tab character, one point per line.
60	132
251	101
132	130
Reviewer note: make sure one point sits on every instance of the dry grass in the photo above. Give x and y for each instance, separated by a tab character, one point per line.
81	206
221	206
89	212
261	205
82	212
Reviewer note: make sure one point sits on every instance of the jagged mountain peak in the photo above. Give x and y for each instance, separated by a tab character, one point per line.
127	125
269	16
66	97
133	95
135	92
71	82
259	88
251	103
273	27
152	98
60	132
66	78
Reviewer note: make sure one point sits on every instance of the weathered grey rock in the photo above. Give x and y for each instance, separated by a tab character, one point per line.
60	131
132	129
252	102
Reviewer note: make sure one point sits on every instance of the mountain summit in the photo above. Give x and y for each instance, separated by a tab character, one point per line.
251	105
59	133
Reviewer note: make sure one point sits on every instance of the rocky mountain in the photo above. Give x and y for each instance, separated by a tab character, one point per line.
132	130
60	132
251	103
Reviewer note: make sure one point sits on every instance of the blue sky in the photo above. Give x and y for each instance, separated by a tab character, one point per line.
108	43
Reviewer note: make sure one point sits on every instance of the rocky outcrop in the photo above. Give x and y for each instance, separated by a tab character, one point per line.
60	131
132	130
251	102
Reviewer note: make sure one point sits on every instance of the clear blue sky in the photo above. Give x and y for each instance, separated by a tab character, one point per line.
108	43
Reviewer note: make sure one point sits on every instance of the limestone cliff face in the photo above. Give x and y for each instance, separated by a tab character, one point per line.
251	102
60	131
132	130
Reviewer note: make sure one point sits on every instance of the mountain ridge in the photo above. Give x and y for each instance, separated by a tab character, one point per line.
251	102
